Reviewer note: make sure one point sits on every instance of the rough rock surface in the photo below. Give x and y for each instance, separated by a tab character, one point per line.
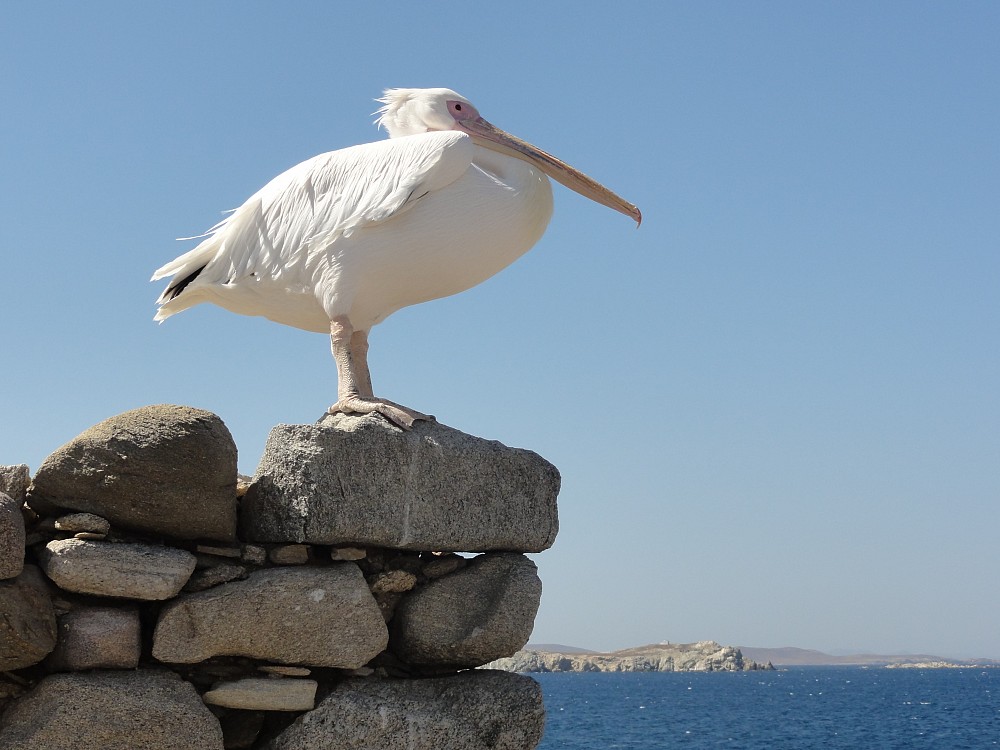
360	481
97	638
14	481
322	616
479	710
11	537
289	554
162	469
111	711
483	612
703	656
209	577
264	694
129	571
27	620
86	522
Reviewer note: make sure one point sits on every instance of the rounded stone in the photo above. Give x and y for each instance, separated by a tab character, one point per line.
162	469
481	613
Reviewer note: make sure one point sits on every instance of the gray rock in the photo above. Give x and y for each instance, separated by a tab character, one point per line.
217	551
97	638
11	537
162	469
209	577
361	481
241	728
347	553
264	694
480	710
128	571
393	582
284	671
27	620
289	554
14	481
83	522
483	612
443	565
322	616
111	711
253	554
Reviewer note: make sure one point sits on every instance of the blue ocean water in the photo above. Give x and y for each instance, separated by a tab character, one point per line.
804	707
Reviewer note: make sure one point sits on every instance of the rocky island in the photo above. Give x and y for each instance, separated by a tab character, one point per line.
703	656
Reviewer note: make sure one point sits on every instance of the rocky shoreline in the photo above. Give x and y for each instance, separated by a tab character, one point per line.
704	656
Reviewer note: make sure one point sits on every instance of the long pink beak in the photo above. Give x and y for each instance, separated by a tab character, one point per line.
495	139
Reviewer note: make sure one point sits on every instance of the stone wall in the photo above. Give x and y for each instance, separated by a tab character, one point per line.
151	598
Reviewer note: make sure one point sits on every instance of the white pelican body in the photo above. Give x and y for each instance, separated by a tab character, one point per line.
339	242
449	216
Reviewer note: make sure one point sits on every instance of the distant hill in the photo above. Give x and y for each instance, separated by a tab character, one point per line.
557	648
802	657
788	656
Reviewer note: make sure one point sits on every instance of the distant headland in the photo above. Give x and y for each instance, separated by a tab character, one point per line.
703	656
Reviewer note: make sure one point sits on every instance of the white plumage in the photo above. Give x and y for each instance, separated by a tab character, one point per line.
341	241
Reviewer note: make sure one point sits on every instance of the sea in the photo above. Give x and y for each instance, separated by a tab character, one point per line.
800	707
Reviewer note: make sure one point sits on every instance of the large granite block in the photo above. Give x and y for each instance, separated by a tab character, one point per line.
360	481
111	710
476	710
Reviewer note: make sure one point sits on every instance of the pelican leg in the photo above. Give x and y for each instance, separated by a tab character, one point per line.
359	356
354	384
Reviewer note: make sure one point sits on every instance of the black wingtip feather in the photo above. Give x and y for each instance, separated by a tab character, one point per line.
175	289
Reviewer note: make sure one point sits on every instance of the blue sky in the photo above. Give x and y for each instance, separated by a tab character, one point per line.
774	405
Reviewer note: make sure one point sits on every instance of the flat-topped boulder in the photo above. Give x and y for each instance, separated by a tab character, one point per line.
358	480
162	469
128	571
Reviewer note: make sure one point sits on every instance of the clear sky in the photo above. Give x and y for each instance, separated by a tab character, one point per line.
775	406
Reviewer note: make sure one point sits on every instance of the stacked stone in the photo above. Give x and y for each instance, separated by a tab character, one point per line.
150	598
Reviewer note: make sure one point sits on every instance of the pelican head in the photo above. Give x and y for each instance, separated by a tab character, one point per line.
413	111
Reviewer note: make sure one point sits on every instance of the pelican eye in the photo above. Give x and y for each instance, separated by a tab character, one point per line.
458	109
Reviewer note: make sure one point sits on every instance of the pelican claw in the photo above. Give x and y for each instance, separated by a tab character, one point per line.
401	416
